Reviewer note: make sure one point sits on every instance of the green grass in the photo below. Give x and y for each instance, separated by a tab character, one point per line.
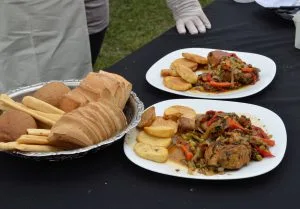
133	23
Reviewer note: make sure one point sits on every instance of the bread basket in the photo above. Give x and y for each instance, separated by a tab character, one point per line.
133	111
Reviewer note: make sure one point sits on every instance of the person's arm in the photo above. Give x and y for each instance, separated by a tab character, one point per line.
189	15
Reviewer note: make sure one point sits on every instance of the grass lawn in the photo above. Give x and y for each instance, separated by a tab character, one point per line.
133	23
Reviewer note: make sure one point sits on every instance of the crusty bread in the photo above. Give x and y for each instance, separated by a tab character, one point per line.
72	100
125	85
88	125
67	104
106	86
52	93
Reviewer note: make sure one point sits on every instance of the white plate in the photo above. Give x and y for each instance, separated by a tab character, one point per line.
271	121
265	64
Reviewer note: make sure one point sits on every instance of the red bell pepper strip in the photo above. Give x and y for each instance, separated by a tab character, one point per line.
247	69
220	84
233	124
213	119
264	153
188	155
207	77
269	142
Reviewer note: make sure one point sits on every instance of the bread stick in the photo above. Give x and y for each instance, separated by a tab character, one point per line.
8	146
38	132
40	105
54	117
33	139
36	148
9	102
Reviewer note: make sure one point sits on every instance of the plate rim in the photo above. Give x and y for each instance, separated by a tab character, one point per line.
126	147
218	96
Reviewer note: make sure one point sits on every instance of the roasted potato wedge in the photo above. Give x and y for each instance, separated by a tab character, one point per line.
195	58
160	131
186	73
147	117
153	153
168	72
176	83
160	121
190	64
177	111
152	140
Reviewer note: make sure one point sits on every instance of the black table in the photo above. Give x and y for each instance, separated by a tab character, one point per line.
107	179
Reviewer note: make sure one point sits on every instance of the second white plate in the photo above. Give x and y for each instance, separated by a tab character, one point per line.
271	121
266	65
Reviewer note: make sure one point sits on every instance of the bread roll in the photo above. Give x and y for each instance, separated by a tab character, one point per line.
13	124
72	100
52	93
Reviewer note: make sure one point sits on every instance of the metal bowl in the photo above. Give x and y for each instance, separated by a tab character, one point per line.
133	111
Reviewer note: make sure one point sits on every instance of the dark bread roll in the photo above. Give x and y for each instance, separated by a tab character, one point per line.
14	123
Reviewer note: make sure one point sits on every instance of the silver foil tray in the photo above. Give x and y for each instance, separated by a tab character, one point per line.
133	111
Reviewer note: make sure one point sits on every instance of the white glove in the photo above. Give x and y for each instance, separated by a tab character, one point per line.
189	14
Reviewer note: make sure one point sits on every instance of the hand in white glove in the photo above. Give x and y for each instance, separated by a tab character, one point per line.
189	14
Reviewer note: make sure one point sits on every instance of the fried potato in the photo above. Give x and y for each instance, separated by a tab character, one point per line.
185	62
160	121
168	72
176	83
177	111
186	73
195	58
160	131
147	117
145	138
153	153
